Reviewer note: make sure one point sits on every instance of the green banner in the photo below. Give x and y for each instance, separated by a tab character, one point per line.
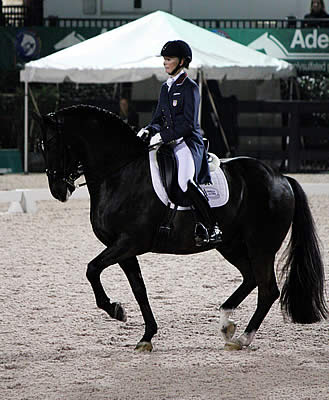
18	46
308	49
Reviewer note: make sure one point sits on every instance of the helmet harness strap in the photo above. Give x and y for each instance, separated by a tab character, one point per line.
177	68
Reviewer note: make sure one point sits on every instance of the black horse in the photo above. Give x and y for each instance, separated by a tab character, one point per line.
126	214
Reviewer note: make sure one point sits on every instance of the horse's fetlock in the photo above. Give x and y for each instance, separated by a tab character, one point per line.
149	333
104	305
154	329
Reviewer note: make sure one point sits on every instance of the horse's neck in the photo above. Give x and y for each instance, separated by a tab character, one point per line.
133	176
103	151
104	148
107	159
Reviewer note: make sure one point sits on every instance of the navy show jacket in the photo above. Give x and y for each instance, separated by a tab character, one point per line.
176	116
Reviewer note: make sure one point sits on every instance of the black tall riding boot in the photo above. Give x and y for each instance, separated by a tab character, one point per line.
210	233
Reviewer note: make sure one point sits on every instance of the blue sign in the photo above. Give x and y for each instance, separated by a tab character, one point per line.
27	45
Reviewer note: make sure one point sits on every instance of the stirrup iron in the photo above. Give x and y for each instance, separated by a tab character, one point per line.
201	235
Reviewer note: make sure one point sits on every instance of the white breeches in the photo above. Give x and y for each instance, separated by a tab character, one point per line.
185	164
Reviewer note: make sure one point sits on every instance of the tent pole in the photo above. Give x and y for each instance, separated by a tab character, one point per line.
200	73
26	125
221	129
35	104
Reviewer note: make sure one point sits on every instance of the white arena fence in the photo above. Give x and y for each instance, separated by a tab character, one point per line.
25	200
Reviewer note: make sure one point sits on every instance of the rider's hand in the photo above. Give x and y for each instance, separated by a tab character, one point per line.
144	134
156	139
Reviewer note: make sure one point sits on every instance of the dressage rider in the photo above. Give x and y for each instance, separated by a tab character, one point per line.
176	120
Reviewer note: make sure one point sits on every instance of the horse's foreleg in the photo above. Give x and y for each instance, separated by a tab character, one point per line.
94	270
131	269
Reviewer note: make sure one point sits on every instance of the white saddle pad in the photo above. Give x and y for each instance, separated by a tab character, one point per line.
217	193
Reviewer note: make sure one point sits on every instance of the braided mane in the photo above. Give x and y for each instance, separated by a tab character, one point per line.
117	132
100	113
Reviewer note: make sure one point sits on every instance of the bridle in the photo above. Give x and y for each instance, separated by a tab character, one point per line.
63	170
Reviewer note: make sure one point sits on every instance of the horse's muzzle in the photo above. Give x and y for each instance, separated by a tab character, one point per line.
61	190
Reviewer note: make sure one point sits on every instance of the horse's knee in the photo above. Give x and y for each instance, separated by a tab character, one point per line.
91	272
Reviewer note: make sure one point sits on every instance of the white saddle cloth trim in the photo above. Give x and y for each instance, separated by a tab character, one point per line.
218	193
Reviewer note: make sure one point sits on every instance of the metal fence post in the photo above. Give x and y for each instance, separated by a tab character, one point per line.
294	141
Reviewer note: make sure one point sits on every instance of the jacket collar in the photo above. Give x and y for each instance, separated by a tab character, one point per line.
181	78
176	80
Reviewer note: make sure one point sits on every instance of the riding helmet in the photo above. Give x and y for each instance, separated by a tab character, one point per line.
177	48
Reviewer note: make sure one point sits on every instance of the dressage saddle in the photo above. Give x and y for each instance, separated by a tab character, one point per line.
169	176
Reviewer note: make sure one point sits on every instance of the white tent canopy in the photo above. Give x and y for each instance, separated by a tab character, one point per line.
130	52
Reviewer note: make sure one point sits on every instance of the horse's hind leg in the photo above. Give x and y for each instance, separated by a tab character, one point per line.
268	292
238	256
133	273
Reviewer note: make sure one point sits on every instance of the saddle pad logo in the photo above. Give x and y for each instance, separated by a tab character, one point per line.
212	192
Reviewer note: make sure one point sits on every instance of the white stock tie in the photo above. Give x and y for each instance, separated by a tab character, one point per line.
170	81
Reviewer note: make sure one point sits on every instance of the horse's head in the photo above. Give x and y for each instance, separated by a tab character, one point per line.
62	164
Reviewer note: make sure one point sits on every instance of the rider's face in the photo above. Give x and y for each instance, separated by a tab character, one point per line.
316	5
170	63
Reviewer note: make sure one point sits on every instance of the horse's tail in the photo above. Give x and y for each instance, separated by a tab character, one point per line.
302	295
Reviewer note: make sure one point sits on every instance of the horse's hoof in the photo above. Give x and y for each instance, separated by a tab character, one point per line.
228	331
119	312
144	347
233	346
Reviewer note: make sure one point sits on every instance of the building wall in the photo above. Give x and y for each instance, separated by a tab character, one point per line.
203	9
12	2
